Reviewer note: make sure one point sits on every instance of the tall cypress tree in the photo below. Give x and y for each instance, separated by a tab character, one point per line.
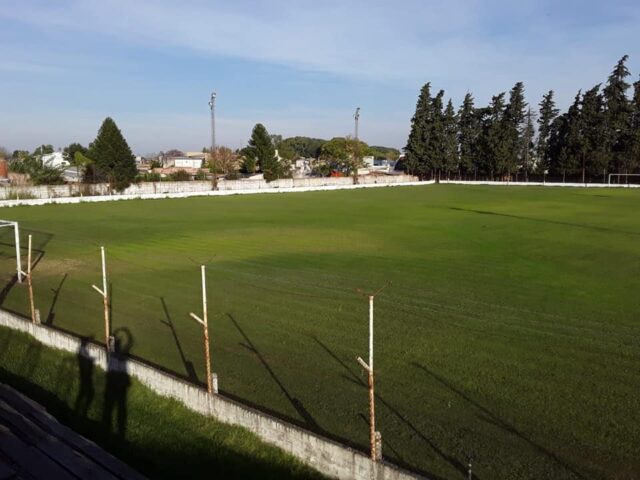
548	113
527	144
415	150
634	130
112	159
513	121
450	139
495	142
617	110
594	154
572	150
557	147
261	148
435	136
468	133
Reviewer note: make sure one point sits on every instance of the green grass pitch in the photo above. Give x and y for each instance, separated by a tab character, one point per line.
509	332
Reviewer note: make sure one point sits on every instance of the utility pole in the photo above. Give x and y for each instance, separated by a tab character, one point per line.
105	297
357	118
212	104
212	386
375	438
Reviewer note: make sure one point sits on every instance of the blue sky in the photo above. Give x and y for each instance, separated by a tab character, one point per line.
298	66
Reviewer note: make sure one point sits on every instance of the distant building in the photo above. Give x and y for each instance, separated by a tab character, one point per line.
369	161
302	167
183	162
55	159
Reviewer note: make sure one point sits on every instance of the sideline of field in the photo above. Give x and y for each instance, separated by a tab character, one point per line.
538	184
212	193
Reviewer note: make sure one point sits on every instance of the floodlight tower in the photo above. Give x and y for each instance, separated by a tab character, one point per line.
357	117
212	104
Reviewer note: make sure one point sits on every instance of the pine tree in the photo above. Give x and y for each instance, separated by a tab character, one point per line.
594	159
557	147
435	137
548	113
468	133
527	144
634	130
112	159
572	151
513	120
262	150
450	121
495	142
616	116
416	149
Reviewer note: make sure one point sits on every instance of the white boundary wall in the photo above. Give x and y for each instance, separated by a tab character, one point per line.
538	184
71	193
329	457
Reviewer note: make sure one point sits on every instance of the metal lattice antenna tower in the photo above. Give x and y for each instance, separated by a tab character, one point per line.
357	117
212	104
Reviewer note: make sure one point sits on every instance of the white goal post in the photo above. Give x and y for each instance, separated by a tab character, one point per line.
16	232
622	175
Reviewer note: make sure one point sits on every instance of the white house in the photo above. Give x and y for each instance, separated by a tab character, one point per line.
55	159
183	162
302	167
186	162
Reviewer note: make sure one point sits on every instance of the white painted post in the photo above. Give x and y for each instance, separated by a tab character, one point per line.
105	299
375	439
34	318
104	271
16	231
212	384
371	332
107	330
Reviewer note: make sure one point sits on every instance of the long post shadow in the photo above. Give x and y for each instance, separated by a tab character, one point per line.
355	378
56	293
188	365
544	220
497	421
297	404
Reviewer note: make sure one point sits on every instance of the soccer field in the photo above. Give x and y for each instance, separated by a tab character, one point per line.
510	331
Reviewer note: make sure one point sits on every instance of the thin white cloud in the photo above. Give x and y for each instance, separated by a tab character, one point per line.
459	45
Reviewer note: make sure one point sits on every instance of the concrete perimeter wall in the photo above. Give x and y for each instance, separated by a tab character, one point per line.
44	194
329	457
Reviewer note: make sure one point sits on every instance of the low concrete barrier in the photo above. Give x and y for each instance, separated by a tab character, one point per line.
329	457
44	194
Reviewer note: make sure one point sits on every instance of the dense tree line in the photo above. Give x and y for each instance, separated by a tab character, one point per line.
507	139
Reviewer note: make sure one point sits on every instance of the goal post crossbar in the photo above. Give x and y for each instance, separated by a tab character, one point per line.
16	232
622	175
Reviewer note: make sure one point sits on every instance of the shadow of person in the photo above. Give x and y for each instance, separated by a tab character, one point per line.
86	391
117	383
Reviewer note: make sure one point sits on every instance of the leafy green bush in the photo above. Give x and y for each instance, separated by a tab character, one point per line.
180	176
